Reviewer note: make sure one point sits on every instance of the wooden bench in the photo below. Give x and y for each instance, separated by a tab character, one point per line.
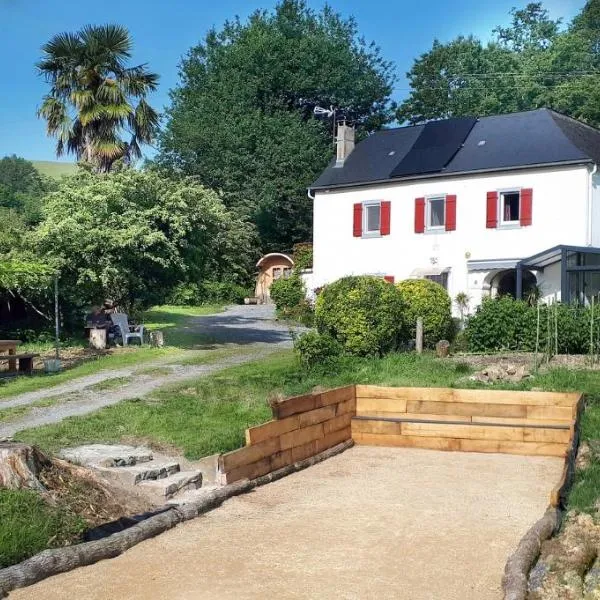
513	422
22	363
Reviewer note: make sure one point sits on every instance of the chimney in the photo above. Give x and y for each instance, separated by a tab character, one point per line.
344	142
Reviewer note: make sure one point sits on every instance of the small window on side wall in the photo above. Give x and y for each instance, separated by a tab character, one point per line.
287	271
510	208
436	213
442	279
277	272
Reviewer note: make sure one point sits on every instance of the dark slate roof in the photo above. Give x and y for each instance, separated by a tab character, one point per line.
516	140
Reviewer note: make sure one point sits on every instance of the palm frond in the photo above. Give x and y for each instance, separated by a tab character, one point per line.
137	81
111	39
145	122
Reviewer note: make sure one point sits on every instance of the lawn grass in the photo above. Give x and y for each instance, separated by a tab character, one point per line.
174	322
34	525
179	336
110	384
40	381
211	414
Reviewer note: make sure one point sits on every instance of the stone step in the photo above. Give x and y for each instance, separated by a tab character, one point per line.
192	495
104	455
179	482
135	474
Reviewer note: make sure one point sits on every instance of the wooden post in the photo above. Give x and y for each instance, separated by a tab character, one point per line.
56	318
419	336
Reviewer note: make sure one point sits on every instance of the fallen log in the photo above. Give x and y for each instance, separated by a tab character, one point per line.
59	560
516	572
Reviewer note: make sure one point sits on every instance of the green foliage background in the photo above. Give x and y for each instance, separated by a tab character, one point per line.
241	119
507	324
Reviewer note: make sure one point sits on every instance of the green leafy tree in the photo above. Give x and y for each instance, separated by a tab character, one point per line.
529	64
22	188
242	117
131	236
95	98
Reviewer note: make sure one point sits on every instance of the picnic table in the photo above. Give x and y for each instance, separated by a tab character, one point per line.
8	353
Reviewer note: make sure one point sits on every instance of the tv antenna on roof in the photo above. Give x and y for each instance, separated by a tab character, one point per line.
327	113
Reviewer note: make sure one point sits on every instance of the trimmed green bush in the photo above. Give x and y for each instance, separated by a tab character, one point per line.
507	324
317	349
364	314
288	292
427	299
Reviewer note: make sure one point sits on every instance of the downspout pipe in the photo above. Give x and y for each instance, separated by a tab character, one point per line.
590	205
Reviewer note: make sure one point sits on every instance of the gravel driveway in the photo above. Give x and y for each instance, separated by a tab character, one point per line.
371	523
249	332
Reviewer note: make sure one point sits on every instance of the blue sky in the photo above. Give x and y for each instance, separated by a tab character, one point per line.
164	31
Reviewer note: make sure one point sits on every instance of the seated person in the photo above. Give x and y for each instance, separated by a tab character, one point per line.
97	319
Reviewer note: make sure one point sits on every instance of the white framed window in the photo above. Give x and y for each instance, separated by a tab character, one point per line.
371	218
435	213
277	273
510	207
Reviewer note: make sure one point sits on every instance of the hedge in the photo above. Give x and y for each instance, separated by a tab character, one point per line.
507	324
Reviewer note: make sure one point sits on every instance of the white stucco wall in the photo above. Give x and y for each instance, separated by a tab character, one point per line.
595	210
559	217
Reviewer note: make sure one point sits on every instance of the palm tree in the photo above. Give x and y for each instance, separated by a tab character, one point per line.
462	301
95	100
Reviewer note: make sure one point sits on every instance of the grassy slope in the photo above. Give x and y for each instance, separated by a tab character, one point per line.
210	415
34	525
54	169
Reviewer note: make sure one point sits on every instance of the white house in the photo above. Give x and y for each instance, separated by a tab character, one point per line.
483	206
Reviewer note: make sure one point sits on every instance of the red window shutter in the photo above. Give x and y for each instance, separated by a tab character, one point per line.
389	278
492	210
419	215
450	213
386	214
526	207
357	228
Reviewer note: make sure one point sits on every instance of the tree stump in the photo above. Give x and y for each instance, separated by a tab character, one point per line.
98	339
20	465
157	339
442	348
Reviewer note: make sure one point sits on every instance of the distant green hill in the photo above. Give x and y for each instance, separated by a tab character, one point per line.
54	169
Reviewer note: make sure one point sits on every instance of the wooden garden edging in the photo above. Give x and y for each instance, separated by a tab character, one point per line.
59	560
302	427
310	428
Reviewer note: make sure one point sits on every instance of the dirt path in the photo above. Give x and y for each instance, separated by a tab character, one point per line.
372	523
246	332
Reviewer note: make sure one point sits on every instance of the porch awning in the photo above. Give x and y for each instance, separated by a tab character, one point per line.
422	272
492	264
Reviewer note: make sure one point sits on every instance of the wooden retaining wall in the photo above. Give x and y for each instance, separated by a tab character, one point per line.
302	427
513	422
530	423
